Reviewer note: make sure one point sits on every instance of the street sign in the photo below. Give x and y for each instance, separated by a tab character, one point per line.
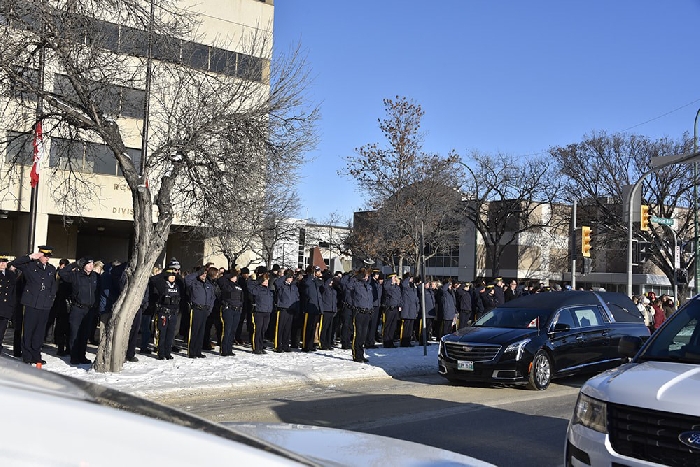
661	220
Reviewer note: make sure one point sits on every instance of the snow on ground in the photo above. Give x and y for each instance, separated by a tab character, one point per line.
248	372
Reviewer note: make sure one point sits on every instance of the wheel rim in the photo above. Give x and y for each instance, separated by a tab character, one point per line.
542	370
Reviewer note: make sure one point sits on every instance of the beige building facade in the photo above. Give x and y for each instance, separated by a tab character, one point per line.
100	221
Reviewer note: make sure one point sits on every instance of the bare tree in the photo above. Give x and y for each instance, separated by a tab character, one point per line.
406	186
504	198
206	114
598	169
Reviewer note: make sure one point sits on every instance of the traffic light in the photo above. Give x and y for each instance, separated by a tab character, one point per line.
586	241
644	219
644	252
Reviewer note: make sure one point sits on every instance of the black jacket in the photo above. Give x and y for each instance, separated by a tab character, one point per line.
40	284
8	293
83	286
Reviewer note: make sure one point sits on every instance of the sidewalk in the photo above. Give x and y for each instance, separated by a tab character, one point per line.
246	372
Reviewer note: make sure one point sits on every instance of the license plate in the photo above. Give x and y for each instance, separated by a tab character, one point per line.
465	365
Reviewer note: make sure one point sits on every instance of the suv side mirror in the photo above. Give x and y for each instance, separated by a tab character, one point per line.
629	346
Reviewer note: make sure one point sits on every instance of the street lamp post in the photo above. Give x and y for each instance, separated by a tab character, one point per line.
695	205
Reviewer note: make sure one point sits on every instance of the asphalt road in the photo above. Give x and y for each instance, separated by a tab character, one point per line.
502	425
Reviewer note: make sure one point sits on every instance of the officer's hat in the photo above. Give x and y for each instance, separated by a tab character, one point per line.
390	275
46	250
498	279
173	265
3	259
490	286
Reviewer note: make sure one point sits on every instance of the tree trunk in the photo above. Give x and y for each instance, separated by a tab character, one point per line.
149	241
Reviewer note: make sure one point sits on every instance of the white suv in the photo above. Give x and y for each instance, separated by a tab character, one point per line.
646	412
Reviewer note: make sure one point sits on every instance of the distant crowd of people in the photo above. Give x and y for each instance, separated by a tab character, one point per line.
280	310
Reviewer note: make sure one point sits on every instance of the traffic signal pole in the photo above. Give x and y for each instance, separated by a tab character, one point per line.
657	163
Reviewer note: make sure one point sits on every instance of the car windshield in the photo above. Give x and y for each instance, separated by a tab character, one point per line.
517	318
679	339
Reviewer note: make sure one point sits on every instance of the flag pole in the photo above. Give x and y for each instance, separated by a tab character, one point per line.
38	149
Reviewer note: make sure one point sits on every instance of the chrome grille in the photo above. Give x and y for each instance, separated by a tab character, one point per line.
473	352
652	435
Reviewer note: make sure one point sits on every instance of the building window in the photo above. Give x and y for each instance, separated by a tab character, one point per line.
223	61
195	55
87	157
20	148
249	67
16	89
443	259
133	41
114	100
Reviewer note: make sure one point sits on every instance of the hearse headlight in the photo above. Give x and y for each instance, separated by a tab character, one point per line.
590	413
517	348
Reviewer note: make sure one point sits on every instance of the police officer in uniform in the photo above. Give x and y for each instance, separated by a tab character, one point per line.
8	295
231	308
202	296
310	294
287	299
363	299
392	307
84	293
167	307
377	282
329	304
409	309
37	298
264	301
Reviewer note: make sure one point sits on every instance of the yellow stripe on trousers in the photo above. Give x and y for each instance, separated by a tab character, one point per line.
354	336
221	317
303	334
189	334
277	329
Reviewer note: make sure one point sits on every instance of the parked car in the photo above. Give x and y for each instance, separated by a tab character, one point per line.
645	412
52	419
535	338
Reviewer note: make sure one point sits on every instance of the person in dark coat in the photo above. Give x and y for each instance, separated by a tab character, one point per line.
84	294
167	300
377	282
498	293
310	294
231	308
392	307
202	296
8	296
465	305
246	313
287	303
430	312
512	292
38	295
449	308
329	305
264	301
409	310
363	300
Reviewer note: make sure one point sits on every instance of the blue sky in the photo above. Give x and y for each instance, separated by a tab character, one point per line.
510	77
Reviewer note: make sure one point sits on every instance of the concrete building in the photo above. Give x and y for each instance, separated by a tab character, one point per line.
103	228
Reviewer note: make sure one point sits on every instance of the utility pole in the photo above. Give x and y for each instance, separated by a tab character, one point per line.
572	248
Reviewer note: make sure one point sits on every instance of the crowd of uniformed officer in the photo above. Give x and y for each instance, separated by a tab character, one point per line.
311	309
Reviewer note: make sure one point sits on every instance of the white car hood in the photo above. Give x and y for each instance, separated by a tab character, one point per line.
666	386
335	447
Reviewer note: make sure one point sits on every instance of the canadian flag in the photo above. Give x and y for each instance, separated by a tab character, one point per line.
38	155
